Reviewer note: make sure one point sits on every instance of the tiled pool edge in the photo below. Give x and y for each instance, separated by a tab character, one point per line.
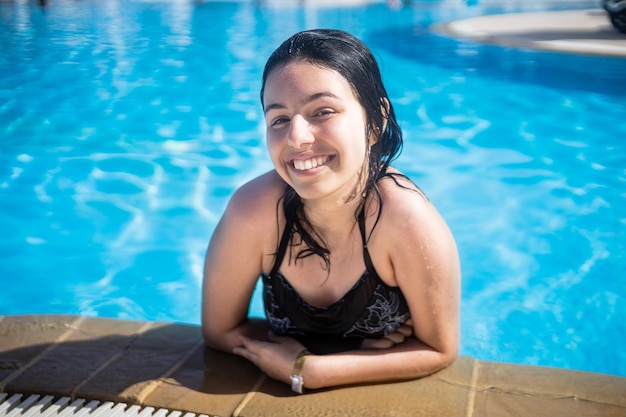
166	365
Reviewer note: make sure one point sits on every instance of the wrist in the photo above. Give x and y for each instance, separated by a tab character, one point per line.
297	378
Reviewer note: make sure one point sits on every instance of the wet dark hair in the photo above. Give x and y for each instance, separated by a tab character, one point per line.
353	60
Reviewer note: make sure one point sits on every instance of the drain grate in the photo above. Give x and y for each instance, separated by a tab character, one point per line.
19	405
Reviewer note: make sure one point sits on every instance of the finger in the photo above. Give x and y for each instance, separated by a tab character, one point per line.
406	330
245	341
273	337
250	346
245	353
376	343
395	338
286	343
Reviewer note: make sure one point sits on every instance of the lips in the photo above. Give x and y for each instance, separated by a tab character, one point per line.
310	163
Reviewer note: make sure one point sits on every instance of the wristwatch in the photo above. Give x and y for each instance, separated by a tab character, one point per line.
297	382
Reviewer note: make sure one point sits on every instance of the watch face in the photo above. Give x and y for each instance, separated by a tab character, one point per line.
296	383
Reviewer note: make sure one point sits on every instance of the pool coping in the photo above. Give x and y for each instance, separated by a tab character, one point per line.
586	32
166	365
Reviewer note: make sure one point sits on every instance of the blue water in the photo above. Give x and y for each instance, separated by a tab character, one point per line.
125	126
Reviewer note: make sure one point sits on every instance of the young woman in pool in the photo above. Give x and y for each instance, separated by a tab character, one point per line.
361	274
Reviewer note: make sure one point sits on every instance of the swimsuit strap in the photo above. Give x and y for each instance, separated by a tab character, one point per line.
282	248
286	237
369	265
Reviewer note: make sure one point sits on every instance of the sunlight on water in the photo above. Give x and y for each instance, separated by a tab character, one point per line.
126	127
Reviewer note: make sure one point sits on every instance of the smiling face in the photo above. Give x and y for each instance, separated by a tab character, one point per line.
315	131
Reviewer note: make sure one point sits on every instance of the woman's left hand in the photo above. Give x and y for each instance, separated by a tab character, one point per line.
275	358
399	336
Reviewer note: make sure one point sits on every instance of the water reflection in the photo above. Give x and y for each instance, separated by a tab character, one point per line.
127	125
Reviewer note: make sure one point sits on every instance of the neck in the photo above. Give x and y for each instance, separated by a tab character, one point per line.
332	220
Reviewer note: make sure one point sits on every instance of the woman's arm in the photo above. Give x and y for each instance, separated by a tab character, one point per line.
234	262
415	250
408	360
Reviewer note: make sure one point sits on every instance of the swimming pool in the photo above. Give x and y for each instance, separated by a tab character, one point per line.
126	125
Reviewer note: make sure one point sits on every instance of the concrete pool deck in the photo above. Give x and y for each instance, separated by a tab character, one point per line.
167	366
587	32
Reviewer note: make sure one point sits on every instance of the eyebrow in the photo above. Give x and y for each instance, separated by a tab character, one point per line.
309	99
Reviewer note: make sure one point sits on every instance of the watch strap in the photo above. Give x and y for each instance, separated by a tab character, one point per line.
297	382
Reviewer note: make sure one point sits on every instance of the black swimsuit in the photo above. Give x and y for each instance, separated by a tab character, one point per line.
370	309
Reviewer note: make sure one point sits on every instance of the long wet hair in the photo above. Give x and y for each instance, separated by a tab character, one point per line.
353	60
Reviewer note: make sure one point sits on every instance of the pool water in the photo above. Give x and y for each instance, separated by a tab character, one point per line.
125	126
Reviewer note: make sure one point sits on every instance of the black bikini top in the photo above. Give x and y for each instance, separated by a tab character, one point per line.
370	309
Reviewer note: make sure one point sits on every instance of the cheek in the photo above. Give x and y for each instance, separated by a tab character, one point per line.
271	142
275	149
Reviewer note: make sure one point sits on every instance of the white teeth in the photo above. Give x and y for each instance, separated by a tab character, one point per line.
309	163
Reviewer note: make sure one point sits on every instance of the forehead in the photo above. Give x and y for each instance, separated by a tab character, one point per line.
304	78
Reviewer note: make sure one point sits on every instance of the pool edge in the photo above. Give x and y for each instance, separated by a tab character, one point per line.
585	32
166	365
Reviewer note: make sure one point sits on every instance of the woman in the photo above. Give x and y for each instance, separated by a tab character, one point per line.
358	267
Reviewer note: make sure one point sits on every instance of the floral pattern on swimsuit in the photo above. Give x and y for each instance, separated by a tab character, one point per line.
371	309
385	315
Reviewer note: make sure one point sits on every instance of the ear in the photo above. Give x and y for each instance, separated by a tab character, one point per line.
384	109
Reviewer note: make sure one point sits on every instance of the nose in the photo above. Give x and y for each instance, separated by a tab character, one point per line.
300	134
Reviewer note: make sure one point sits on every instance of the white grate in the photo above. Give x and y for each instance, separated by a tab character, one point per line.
45	405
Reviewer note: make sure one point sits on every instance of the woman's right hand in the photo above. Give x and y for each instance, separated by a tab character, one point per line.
395	338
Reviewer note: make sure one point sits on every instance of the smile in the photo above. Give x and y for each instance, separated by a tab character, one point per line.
306	164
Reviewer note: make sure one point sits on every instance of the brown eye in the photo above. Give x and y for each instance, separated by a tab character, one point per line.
324	113
279	121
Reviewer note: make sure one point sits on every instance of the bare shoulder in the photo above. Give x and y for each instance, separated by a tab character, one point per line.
410	225
252	213
240	249
257	198
403	201
420	256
